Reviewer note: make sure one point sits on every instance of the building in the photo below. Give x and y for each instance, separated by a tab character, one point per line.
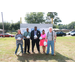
1	31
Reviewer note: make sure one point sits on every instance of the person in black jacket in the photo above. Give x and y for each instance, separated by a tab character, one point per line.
35	34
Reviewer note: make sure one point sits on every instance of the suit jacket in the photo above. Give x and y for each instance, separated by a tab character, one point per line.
38	34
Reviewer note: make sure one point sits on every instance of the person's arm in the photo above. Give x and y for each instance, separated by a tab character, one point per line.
39	33
46	36
22	37
31	35
16	37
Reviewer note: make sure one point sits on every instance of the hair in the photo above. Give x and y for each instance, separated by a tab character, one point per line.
20	32
43	30
35	27
27	28
50	28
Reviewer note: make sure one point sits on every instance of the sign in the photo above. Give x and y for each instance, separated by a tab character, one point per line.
40	27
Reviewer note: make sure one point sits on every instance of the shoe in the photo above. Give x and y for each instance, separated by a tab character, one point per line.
53	54
29	52
43	52
33	52
47	54
16	54
24	52
38	51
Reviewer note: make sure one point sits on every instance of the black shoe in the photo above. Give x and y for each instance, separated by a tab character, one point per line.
47	54
53	55
38	51
24	52
29	52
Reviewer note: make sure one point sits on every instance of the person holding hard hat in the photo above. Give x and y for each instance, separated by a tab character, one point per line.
19	41
42	41
51	38
27	36
35	34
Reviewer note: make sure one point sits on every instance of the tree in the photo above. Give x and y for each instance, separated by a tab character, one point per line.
74	27
17	25
52	17
35	17
55	26
71	25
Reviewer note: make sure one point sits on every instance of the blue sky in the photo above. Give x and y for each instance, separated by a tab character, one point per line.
66	17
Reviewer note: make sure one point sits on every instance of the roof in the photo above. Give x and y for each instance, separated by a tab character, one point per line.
1	29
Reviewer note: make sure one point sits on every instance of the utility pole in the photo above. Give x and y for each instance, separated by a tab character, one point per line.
2	23
20	20
52	20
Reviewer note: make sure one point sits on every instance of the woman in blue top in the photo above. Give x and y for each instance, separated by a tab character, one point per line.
19	41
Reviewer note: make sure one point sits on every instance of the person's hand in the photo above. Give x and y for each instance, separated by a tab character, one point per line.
37	38
54	40
43	38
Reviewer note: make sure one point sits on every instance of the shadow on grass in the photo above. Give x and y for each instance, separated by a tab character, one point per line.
41	57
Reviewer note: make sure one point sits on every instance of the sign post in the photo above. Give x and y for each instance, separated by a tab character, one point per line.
54	41
2	23
20	20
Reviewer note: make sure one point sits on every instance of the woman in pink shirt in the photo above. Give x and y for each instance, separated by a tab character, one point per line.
43	35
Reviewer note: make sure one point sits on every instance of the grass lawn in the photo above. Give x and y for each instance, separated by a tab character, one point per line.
65	51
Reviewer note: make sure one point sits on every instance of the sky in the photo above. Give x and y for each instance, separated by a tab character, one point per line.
15	16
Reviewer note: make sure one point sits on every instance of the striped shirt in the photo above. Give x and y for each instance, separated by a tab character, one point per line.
19	41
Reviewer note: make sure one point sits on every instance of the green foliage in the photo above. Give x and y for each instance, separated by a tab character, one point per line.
55	26
10	27
34	17
54	16
69	26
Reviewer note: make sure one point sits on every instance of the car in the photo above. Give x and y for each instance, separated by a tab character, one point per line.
61	33
69	33
72	33
6	35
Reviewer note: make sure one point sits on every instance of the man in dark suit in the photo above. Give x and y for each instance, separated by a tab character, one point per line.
35	34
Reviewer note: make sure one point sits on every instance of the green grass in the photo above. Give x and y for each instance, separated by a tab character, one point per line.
64	48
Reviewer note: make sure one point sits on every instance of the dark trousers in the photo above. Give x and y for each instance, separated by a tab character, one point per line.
26	44
37	44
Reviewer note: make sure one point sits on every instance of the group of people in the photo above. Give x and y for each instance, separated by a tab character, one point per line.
37	38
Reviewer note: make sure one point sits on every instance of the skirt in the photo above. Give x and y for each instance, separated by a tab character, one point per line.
42	42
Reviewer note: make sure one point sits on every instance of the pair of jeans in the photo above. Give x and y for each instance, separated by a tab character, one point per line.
18	47
50	43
